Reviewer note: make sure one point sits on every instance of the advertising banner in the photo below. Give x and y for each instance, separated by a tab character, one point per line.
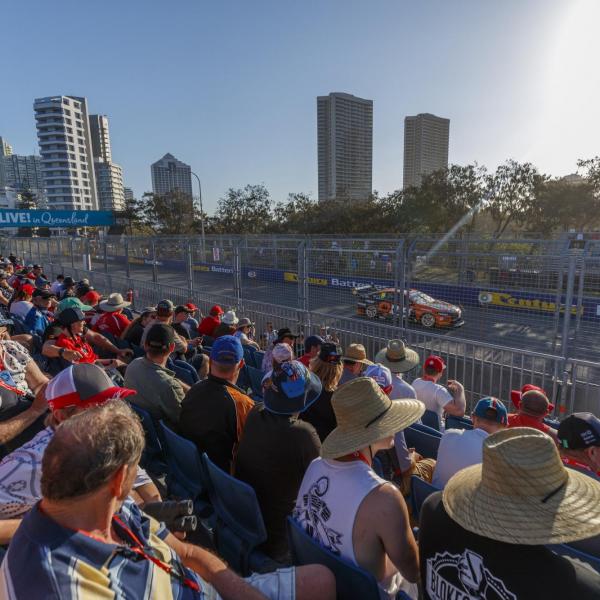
55	218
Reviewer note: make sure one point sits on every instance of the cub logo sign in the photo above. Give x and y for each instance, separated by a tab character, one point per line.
463	577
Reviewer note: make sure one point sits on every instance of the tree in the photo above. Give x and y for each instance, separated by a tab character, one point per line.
246	210
173	213
26	202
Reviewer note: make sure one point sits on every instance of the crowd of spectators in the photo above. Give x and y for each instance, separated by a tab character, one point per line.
321	440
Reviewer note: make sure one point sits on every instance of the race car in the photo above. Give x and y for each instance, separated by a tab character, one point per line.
378	303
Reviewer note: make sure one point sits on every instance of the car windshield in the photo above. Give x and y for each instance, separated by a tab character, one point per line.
421	298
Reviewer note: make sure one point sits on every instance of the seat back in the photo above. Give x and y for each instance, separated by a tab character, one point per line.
419	491
153	457
424	443
249	355
453	422
255	376
431	419
569	550
258	358
427	429
351	581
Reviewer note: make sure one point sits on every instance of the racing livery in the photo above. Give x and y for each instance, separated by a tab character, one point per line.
379	303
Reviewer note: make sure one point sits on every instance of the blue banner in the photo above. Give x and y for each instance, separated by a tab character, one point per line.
55	218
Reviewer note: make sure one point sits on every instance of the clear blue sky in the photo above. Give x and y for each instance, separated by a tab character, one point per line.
229	86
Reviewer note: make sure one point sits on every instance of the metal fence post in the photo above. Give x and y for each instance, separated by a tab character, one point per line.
303	289
237	279
189	267
399	283
105	255
154	266
72	252
126	247
565	330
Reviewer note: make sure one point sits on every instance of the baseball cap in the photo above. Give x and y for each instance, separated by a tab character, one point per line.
37	266
435	362
183	308
313	340
92	297
331	353
579	430
381	374
72	303
68	282
191	307
492	409
68	316
160	336
82	385
227	350
43	294
28	288
216	310
292	389
515	395
165	307
41	281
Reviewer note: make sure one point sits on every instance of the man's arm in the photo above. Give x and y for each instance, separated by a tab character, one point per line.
97	339
7	530
458	404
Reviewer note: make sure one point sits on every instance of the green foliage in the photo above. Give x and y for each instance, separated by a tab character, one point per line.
246	210
169	214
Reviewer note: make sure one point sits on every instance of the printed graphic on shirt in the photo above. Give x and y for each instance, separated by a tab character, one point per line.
314	514
463	577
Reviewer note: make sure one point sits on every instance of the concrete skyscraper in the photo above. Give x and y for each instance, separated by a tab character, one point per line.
345	146
170	174
426	140
5	147
66	150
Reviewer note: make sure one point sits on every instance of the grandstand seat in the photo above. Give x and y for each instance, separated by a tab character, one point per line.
240	528
128	313
419	491
570	551
243	381
552	422
185	366
249	353
182	371
19	327
431	419
453	422
427	429
424	443
258	358
153	457
255	377
351	581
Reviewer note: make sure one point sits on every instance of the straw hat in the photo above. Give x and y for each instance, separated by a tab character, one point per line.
366	415
397	357
230	318
115	302
522	493
357	353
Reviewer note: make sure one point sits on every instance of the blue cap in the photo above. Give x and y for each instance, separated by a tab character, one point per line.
491	409
292	388
227	350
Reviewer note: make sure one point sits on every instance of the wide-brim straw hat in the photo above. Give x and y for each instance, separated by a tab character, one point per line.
366	415
523	494
397	357
356	353
113	303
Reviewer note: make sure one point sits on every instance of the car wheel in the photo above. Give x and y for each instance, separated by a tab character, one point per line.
427	320
371	311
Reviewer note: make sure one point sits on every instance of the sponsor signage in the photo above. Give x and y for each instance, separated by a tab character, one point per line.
507	300
55	218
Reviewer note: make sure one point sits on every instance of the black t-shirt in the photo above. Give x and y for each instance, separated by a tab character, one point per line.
274	453
458	564
321	416
182	331
134	334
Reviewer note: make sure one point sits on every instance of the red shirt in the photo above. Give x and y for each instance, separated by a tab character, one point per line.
208	325
305	360
80	345
520	420
110	322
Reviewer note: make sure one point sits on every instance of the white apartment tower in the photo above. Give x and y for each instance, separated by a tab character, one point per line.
345	146
426	140
66	151
169	175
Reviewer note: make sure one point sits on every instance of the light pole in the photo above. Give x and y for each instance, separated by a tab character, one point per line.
201	214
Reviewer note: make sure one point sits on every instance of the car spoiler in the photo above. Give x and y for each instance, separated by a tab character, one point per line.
361	289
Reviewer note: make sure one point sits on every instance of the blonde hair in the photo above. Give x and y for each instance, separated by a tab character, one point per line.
328	373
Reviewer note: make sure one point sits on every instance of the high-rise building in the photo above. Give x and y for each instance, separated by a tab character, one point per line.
66	150
170	174
426	140
128	194
23	172
109	176
5	147
345	146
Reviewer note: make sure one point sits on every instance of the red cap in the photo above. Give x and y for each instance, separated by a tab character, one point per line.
92	297
27	288
216	310
515	395
191	306
436	362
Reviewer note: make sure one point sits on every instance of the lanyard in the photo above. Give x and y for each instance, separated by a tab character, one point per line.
358	455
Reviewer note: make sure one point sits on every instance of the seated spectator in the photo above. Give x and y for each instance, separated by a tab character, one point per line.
134	331
269	336
164	314
6	291
462	448
211	322
214	411
436	397
355	361
488	532
56	285
67	289
312	347
73	390
73	302
158	390
579	441
276	449
327	366
38	318
112	320
191	323
180	316
38	271
21	303
227	326
85	538
533	408
345	505
244	333
284	336
399	358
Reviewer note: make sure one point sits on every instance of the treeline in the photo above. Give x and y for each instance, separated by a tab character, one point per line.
515	198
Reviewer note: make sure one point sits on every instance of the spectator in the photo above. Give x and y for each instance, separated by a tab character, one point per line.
227	326
180	316
210	323
276	449
38	271
21	303
355	361
56	286
462	448
532	408
158	390
312	347
67	289
436	397
135	330
37	318
347	507
164	314
72	302
579	441
488	532
214	411
86	538
6	291
284	336
73	390
269	336
399	358
327	366
244	333
112	320
191	323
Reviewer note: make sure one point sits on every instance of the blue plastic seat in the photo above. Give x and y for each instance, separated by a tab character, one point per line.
258	359
255	377
153	458
569	550
431	419
249	352
427	429
419	491
351	581
239	525
453	422
424	443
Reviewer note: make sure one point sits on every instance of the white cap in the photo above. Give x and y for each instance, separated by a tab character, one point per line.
230	318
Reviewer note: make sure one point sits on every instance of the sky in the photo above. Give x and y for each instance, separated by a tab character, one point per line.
230	86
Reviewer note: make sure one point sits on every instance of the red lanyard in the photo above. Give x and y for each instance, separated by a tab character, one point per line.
356	455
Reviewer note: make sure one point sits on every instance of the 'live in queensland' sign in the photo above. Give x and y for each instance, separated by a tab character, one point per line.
55	218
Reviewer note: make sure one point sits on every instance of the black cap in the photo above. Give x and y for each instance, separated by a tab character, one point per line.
37	266
160	336
43	294
579	430
68	282
165	307
285	332
331	353
184	309
68	316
